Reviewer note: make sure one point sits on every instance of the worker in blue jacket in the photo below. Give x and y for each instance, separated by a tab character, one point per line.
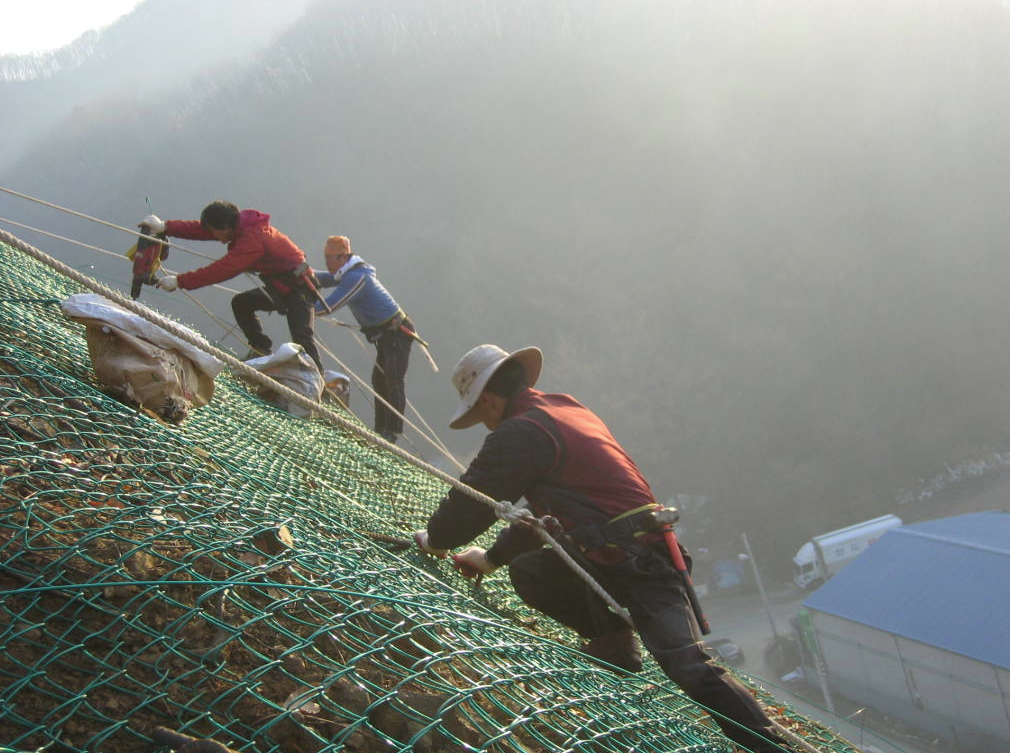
383	323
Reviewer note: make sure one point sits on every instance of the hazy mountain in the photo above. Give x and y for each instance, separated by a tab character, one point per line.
162	43
765	241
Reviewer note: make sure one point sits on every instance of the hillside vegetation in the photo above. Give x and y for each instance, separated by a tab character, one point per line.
764	240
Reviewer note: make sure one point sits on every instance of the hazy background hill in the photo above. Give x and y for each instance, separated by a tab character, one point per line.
162	43
764	240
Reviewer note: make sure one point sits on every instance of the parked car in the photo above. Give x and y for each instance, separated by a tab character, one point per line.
725	651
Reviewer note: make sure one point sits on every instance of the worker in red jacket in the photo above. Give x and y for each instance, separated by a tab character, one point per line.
254	245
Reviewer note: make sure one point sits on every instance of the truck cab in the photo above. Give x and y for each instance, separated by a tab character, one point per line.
807	568
824	555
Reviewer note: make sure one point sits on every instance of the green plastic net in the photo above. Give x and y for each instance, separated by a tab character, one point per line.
236	578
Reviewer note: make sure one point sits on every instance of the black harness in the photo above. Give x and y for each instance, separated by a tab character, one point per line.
593	529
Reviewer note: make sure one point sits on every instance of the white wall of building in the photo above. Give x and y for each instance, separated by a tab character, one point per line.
949	695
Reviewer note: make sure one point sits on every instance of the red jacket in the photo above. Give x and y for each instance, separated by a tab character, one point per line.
255	247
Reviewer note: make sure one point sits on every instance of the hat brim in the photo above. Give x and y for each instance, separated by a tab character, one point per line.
532	360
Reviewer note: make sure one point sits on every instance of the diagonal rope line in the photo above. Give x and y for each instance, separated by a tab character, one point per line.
426	433
503	510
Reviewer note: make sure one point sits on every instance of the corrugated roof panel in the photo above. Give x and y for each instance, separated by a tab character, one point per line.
945	583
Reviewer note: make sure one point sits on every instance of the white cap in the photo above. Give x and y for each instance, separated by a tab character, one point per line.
330	376
474	370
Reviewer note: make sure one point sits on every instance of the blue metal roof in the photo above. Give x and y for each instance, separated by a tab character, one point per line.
945	583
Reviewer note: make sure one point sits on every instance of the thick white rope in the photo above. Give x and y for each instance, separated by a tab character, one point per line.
431	437
503	510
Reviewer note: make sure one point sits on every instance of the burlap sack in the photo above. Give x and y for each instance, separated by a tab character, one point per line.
140	362
145	375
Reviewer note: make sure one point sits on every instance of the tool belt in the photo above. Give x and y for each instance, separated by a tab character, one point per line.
624	531
390	325
283	283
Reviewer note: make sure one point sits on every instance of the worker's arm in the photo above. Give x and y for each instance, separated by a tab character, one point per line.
349	286
512	542
513	457
187	229
244	251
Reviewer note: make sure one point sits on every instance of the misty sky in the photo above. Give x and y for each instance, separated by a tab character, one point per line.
42	25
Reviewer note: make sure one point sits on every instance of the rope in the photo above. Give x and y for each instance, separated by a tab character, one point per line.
112	225
229	330
333	489
503	510
433	438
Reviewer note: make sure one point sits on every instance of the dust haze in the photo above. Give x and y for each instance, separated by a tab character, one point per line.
764	240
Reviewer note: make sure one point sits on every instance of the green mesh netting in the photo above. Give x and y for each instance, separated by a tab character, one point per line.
229	578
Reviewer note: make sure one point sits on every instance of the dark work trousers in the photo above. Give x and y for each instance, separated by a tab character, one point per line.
298	307
388	377
651	590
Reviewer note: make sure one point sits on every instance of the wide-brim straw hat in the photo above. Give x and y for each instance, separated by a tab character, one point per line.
474	370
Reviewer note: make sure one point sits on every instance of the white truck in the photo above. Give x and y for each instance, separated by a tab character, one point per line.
826	554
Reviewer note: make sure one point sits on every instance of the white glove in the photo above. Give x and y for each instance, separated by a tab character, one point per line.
168	284
421	537
473	562
153	223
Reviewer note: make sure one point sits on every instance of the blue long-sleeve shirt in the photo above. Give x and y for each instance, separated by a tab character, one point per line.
360	290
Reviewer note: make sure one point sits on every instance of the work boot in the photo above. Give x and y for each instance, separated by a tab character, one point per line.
254	353
619	648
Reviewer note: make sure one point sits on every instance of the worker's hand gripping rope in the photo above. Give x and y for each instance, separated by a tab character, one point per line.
169	283
421	538
473	563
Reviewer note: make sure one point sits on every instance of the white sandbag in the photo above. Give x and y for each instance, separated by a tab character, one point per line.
94	306
293	368
141	364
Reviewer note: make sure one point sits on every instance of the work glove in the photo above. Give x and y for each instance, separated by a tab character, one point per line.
421	537
473	563
154	224
168	284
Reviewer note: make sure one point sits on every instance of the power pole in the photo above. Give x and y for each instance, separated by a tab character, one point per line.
760	584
